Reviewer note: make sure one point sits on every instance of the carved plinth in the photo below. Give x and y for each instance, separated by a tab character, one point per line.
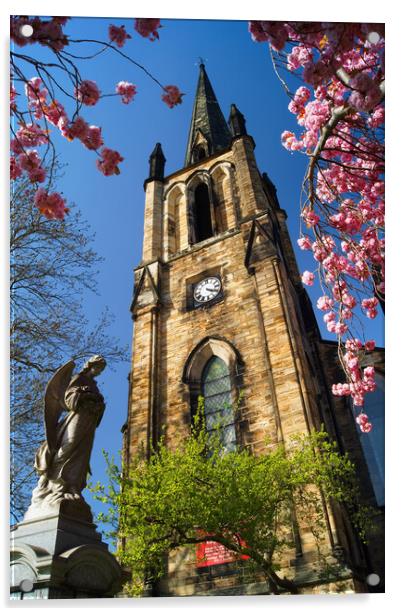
59	556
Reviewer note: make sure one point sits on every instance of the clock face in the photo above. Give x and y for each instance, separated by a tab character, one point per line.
207	289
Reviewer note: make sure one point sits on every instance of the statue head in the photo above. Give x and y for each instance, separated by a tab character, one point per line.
95	365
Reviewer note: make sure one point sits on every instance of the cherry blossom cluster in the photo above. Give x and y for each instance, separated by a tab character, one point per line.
43	110
340	112
87	92
108	163
118	35
24	159
126	90
51	205
148	28
45	32
361	381
363	421
172	96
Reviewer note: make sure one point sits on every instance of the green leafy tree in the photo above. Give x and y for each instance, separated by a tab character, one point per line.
179	496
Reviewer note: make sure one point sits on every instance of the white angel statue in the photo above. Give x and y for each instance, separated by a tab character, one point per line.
62	461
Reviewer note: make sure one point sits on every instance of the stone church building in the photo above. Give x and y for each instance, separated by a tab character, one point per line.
219	308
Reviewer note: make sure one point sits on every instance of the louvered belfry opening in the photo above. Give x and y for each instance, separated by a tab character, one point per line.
199	154
217	393
202	214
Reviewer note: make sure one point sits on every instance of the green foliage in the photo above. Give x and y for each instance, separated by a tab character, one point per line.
196	489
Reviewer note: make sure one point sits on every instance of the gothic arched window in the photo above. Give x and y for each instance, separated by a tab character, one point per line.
216	390
202	213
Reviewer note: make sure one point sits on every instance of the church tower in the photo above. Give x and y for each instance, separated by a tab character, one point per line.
218	309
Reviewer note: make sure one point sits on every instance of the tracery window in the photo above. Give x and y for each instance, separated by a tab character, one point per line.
216	390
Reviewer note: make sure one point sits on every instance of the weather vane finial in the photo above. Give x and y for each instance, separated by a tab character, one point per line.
201	61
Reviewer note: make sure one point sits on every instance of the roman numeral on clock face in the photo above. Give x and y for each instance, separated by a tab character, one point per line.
207	289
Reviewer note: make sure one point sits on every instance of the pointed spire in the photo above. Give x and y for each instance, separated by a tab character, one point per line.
237	122
209	131
156	163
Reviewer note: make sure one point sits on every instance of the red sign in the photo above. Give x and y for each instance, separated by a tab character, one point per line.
213	553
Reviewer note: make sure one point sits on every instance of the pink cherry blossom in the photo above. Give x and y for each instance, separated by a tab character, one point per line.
30	162
304	243
341	389
34	90
310	140
290	142
126	90
370	345
55	113
45	32
298	57
29	135
172	96
316	114
330	316
348	300
376	118
15	169
16	24
358	398
369	305
340	328
118	35
369	372
316	73
37	96
325	303
108	163
49	33
353	344
367	101
92	138
52	205
272	31
362	418
74	130
87	92
353	363
257	31
363	421
308	278
302	95
148	28
310	217
42	111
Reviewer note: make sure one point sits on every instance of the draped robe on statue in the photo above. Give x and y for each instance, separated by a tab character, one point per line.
62	461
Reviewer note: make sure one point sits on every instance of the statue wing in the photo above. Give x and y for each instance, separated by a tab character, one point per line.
54	401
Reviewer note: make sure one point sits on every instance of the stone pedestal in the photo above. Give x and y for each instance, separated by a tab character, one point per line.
59	556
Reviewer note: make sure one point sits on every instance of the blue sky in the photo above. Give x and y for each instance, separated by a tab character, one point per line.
241	73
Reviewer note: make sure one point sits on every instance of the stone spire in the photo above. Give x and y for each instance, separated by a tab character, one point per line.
156	163
209	131
237	122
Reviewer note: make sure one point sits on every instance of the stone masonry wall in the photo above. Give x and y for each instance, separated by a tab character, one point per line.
257	315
